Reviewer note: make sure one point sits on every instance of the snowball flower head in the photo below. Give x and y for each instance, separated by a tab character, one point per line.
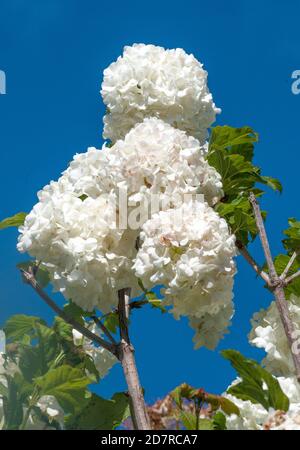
150	81
156	158
76	239
268	333
190	251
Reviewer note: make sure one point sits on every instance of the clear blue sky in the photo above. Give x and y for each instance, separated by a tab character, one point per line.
54	52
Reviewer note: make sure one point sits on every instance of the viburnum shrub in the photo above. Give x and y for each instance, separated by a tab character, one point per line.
167	204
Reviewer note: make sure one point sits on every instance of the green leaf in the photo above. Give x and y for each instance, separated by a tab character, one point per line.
239	216
63	329
89	365
217	401
273	183
188	420
36	360
280	263
3	390
292	242
257	385
101	414
231	154
66	384
111	322
19	325
14	221
239	140
74	311
219	421
154	301
205	424
12	406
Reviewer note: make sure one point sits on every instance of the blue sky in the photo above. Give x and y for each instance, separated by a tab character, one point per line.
54	52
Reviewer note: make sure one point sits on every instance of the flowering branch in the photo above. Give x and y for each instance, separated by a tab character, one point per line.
277	285
30	279
126	356
123	351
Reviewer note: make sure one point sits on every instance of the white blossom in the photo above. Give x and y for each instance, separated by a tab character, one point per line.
190	251
268	333
74	228
151	81
87	256
254	416
155	158
103	359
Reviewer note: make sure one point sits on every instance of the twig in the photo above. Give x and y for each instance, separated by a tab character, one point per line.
243	250
263	236
30	279
288	280
277	286
289	265
126	356
104	329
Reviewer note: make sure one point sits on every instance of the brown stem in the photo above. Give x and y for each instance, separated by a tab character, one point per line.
253	263
126	356
288	266
30	279
278	286
104	329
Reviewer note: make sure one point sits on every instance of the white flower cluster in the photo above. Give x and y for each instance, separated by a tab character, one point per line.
151	81
155	158
47	403
50	408
190	251
268	333
158	104
88	258
102	358
256	417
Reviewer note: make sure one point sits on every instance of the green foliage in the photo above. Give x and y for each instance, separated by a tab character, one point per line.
219	421
280	262
292	242
185	394
67	385
154	301
101	414
43	360
63	329
111	322
14	221
12	405
20	325
231	152
257	385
